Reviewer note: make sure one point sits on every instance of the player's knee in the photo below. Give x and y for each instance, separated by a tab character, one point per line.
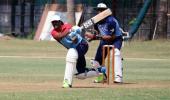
72	55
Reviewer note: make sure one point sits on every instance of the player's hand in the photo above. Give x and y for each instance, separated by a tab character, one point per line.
73	37
76	29
98	37
92	31
89	36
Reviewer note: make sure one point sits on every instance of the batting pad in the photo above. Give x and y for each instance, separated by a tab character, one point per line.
71	61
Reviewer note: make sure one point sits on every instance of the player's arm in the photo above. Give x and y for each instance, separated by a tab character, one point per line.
60	35
111	36
108	37
96	36
90	34
74	31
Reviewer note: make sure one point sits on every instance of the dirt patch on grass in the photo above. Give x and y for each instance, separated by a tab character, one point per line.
46	86
125	85
9	86
6	37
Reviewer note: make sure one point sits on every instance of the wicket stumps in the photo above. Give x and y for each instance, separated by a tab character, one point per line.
106	54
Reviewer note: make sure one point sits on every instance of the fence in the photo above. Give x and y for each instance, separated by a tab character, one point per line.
22	16
19	17
168	15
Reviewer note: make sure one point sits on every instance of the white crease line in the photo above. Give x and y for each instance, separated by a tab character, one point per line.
145	59
28	57
40	57
45	57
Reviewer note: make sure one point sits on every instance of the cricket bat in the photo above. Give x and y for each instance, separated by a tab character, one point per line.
96	19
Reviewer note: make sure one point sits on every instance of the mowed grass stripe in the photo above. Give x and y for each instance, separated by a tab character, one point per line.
146	75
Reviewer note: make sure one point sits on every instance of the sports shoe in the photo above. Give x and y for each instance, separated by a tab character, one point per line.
65	84
101	78
118	79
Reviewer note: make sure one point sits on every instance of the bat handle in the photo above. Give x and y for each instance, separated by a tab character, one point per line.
81	27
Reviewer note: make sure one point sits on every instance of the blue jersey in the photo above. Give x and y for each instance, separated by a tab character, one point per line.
109	26
68	42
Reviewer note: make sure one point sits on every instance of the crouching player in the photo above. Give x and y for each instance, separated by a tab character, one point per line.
77	47
109	33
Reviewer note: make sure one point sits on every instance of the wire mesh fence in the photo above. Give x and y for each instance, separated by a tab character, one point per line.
23	16
168	15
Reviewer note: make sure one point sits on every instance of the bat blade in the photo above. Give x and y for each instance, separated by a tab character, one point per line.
102	15
96	18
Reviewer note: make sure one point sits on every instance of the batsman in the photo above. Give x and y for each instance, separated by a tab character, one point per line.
77	47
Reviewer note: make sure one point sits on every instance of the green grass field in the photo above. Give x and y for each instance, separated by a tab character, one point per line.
32	70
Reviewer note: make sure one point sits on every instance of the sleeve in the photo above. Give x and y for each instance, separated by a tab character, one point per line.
59	34
66	28
114	27
54	34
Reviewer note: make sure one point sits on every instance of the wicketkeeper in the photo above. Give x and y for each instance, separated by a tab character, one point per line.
108	32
